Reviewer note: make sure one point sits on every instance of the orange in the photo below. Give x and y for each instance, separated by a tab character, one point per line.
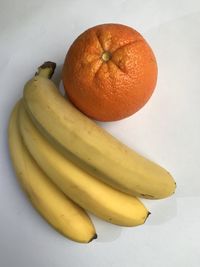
109	72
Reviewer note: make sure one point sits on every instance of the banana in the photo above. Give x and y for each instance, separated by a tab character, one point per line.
91	146
90	193
58	210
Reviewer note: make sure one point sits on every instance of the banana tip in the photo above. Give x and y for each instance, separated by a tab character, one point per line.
48	64
94	237
46	69
148	213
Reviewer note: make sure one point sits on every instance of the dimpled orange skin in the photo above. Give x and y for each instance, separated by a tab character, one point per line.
109	72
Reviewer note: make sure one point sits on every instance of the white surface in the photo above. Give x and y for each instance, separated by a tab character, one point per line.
166	130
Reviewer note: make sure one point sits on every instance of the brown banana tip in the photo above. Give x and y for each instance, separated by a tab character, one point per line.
49	68
94	237
148	213
48	64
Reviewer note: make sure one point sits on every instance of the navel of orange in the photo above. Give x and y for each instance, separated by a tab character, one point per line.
109	72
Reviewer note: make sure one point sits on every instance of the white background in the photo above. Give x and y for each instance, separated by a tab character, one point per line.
166	130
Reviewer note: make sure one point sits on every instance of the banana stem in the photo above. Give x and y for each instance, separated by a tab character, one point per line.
46	70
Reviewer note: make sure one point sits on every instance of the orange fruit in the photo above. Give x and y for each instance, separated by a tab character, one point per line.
109	72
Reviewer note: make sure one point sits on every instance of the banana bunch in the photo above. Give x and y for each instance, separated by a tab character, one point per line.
61	212
68	165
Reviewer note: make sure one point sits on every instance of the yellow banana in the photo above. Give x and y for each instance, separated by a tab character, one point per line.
90	193
59	211
91	146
